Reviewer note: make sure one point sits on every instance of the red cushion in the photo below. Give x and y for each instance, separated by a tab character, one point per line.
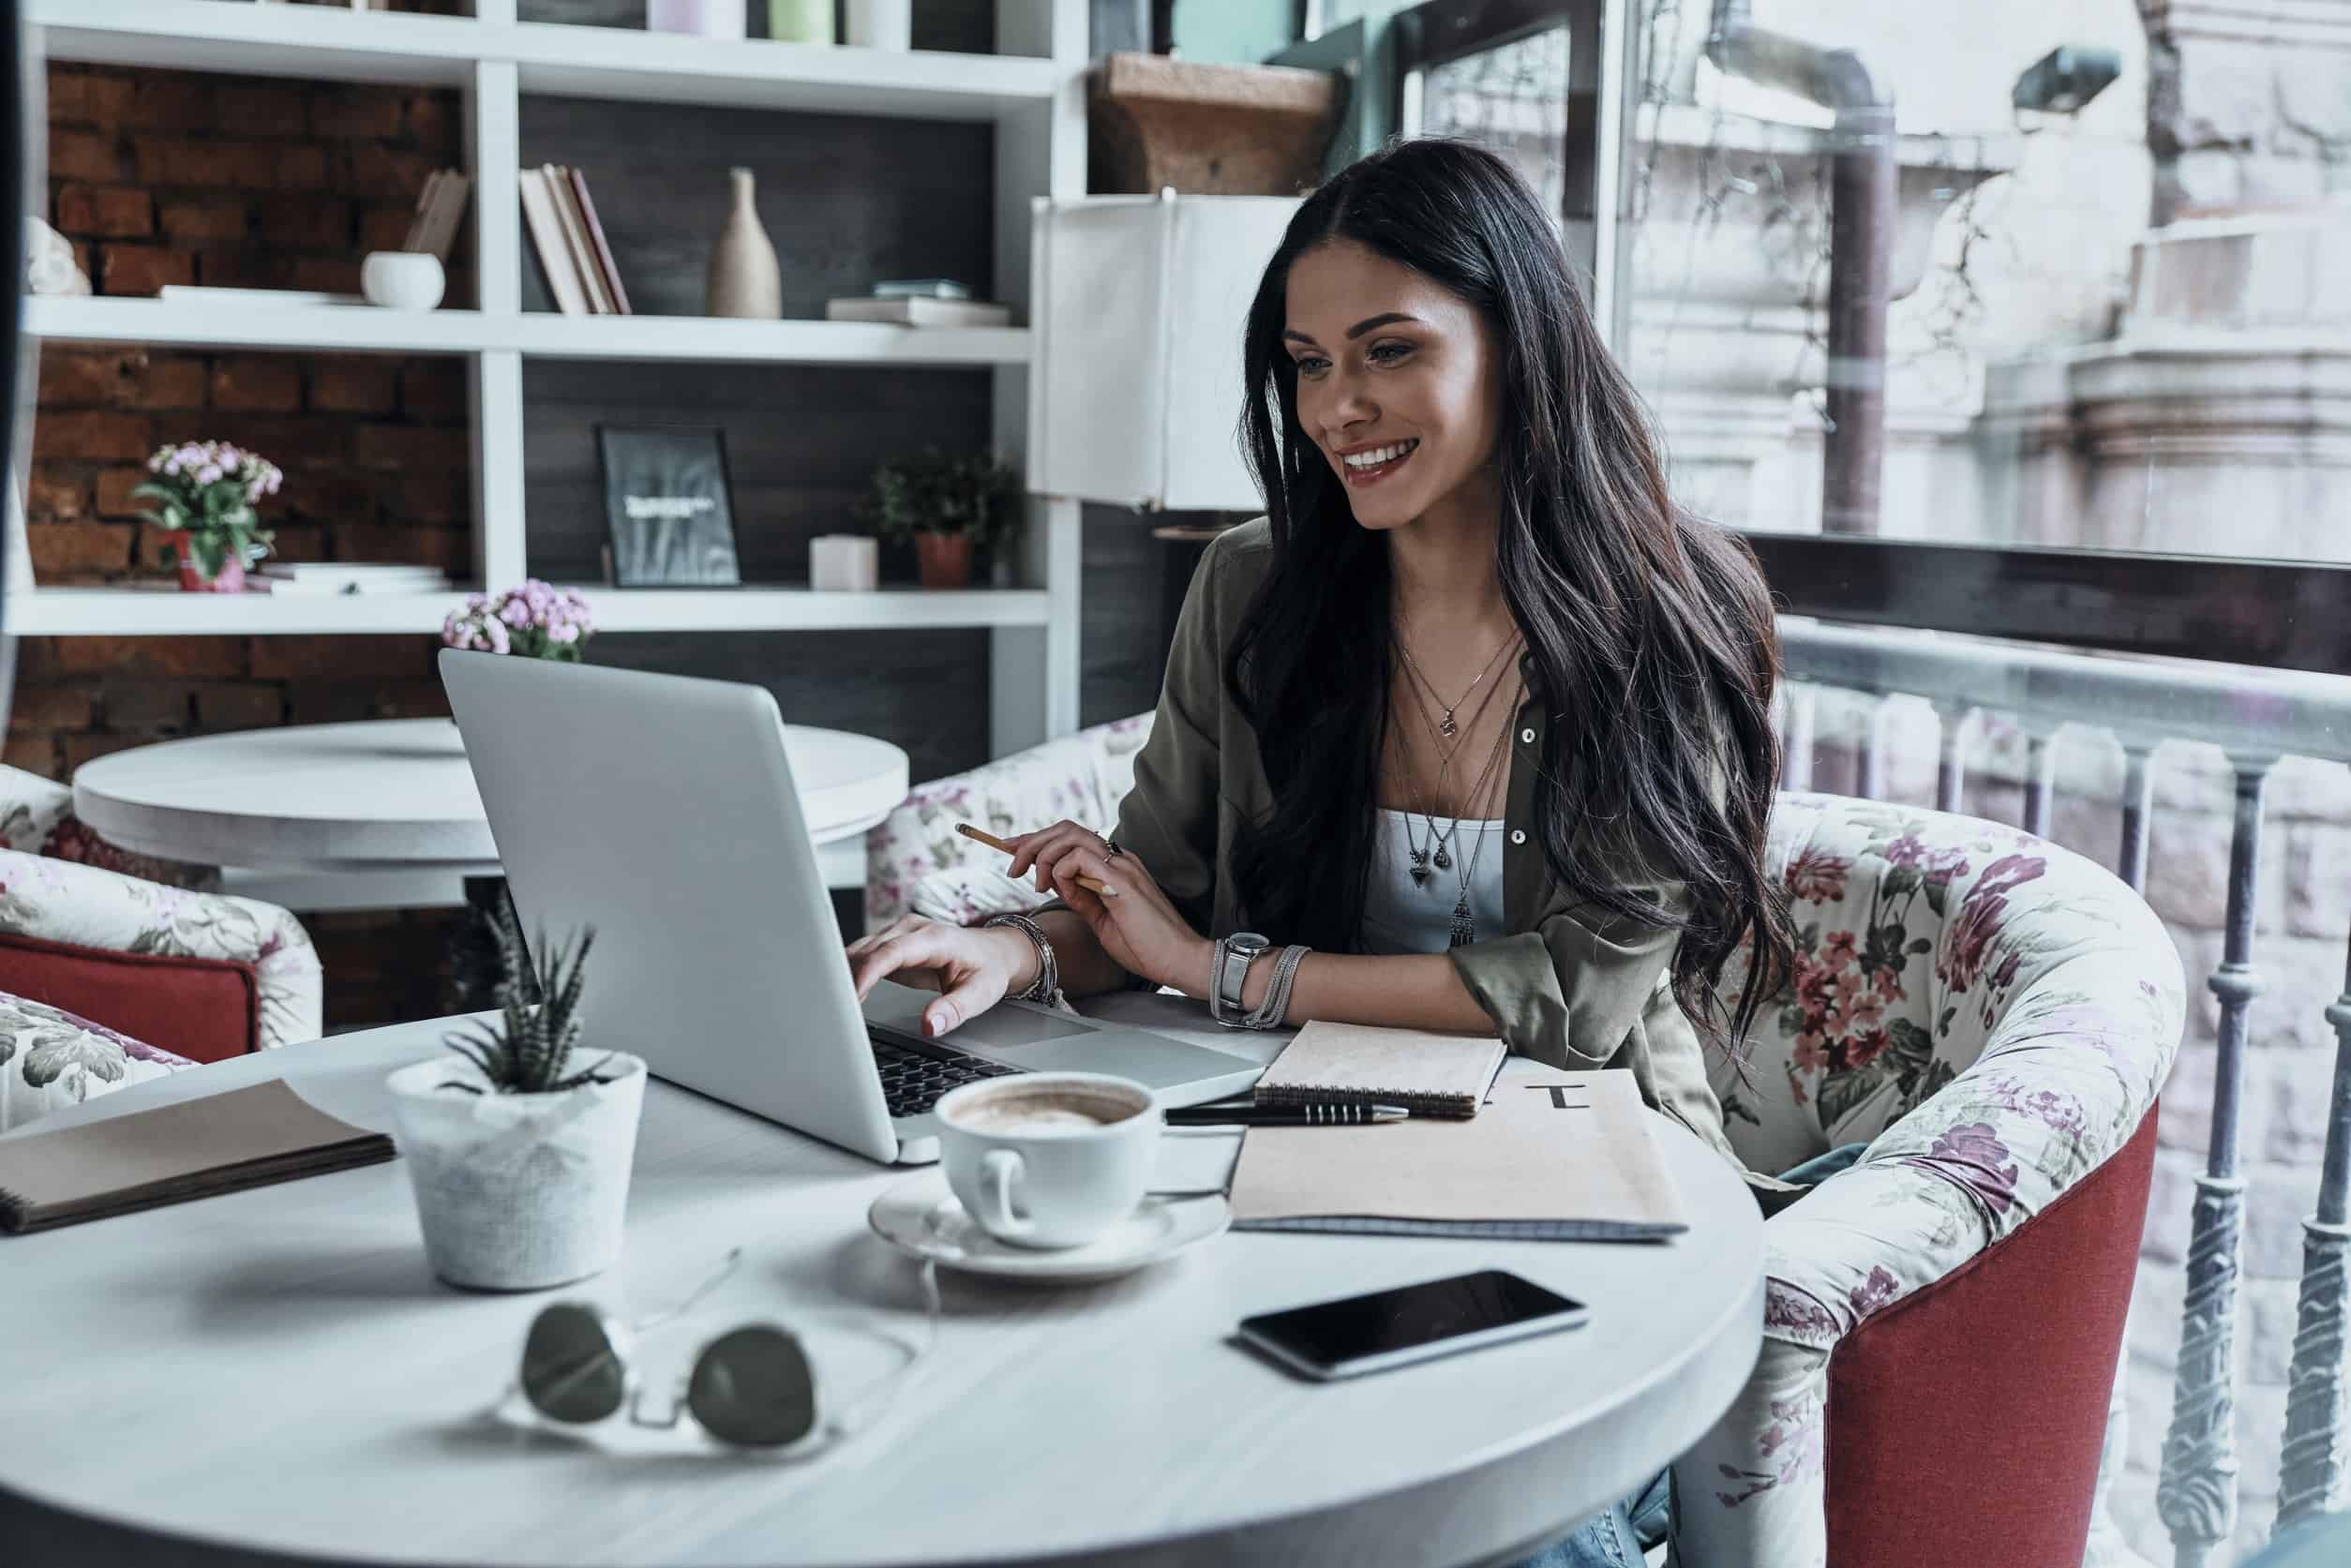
206	1009
1965	1422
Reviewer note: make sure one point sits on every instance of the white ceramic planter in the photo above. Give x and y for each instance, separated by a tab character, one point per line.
519	1192
402	280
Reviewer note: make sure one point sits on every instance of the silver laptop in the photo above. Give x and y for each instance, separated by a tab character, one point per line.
661	810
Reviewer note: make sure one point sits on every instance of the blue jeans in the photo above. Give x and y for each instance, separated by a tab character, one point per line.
1617	1538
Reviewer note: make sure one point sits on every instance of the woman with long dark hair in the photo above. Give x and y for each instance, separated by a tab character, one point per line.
1474	723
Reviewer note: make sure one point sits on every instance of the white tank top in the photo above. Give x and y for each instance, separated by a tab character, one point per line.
1400	916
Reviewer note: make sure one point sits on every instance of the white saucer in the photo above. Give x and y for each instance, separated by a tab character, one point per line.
920	1218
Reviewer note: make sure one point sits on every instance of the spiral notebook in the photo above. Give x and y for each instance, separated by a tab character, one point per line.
1553	1157
192	1148
1356	1063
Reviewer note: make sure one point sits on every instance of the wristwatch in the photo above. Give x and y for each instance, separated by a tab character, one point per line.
1229	973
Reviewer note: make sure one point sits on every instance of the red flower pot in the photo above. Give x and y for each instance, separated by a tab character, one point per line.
944	559
230	578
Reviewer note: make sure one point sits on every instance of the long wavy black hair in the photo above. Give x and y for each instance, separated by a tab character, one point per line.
1651	632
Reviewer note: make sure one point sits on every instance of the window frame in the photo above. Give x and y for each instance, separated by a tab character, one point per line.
2272	614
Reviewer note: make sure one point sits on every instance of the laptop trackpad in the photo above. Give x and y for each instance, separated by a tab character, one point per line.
1147	1058
1014	1027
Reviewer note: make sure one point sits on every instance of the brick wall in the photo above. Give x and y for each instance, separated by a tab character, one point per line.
175	177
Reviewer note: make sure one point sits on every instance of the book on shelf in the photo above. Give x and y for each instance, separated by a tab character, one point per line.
546	241
275	299
596	242
440	208
574	227
299	579
915	311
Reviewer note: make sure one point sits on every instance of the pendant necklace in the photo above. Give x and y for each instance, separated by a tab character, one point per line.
1464	928
1439	839
1447	726
1420	872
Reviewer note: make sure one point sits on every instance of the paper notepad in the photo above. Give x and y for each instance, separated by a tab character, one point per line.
1555	1156
195	1148
1356	1063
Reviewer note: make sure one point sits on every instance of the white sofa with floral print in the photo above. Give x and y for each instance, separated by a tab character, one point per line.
916	861
59	885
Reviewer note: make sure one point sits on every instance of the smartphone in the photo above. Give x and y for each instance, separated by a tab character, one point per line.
1348	1337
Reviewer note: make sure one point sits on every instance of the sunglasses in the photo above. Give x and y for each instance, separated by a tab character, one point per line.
751	1387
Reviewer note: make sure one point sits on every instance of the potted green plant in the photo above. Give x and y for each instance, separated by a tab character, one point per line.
519	1156
947	504
204	494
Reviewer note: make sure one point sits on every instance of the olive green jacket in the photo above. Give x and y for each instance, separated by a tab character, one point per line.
1568	985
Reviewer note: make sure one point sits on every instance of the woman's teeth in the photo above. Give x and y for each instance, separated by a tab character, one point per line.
1379	461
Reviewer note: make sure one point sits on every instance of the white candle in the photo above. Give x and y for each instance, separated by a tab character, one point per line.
843	562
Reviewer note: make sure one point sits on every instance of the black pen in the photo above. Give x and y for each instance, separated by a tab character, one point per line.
1284	1116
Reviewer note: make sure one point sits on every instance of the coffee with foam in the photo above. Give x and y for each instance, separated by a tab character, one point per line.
1018	1113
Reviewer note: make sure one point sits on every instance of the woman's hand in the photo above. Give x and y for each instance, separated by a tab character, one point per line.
973	967
1132	918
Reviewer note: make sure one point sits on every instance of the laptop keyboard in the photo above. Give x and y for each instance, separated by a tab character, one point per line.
913	1080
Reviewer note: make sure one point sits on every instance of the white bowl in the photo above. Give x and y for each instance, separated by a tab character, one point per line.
402	280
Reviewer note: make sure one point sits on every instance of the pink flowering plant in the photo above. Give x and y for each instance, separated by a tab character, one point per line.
537	621
206	490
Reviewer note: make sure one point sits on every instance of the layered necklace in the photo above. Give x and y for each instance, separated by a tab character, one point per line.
1438	850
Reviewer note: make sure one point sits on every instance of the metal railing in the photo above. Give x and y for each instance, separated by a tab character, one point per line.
2256	717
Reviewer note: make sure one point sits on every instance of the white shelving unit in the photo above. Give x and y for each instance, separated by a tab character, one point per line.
1032	89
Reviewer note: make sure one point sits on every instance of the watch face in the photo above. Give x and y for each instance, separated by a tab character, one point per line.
1248	942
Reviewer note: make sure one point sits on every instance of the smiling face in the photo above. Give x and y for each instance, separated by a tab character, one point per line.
1398	384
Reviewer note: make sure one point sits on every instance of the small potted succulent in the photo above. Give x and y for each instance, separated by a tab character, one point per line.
947	504
536	620
204	494
518	1153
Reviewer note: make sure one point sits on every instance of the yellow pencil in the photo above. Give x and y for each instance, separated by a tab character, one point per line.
1091	884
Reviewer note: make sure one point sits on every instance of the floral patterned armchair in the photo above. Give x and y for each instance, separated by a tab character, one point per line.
100	949
1993	1016
916	860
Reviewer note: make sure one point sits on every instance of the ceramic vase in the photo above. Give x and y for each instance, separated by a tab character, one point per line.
229	579
745	279
519	1192
401	279
943	560
801	21
881	23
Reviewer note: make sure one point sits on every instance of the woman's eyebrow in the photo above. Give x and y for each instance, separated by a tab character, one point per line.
1357	330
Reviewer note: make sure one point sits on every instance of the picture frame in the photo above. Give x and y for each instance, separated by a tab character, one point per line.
668	502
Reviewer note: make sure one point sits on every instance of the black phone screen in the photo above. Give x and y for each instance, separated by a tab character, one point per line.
1330	1332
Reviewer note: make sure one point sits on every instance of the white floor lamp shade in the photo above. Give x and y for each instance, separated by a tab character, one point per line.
1139	305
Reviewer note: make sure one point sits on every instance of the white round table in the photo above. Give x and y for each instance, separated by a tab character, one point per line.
371	805
276	1371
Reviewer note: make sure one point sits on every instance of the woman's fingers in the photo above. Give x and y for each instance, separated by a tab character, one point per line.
1032	846
923	949
978	991
898	927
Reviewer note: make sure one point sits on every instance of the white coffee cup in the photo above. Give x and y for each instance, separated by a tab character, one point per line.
1049	1159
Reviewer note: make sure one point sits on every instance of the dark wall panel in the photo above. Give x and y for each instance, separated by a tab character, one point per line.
801	444
925	691
847	199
